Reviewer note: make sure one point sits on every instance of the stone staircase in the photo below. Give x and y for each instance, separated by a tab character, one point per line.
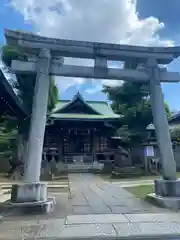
76	164
79	167
128	172
68	159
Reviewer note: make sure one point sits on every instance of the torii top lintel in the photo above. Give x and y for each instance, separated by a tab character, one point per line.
81	49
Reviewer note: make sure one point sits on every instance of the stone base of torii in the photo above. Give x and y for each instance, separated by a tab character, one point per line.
31	198
32	193
167	194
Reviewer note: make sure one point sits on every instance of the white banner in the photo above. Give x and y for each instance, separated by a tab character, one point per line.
149	151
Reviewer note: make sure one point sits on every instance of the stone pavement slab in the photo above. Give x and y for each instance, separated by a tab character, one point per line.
81	209
87	230
79	200
100	210
107	225
30	229
93	199
147	229
99	218
153	217
120	209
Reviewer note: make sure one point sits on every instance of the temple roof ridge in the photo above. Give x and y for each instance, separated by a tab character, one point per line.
100	109
78	95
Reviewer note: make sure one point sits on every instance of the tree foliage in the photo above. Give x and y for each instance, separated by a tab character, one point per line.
25	83
132	101
8	137
175	133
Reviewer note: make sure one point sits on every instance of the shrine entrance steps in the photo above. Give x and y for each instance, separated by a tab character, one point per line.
79	164
80	168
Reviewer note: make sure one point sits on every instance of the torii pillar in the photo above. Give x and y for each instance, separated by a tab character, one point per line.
32	191
167	190
161	122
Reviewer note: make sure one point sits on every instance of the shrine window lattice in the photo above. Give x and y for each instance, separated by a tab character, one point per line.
87	147
103	144
51	141
69	146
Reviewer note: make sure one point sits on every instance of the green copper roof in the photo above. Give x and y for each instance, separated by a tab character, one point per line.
81	116
101	108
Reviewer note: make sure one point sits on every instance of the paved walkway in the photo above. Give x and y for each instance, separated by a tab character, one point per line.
113	226
97	209
92	195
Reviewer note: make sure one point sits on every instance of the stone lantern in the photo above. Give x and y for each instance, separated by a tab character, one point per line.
149	147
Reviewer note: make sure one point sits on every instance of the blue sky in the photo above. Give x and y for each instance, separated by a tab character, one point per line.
15	13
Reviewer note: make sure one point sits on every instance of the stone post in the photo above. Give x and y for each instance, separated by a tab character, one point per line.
31	190
161	122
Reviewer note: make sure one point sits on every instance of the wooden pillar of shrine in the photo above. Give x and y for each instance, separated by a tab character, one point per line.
60	149
93	141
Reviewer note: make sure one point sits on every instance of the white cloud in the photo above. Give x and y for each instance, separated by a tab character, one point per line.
114	21
65	82
97	85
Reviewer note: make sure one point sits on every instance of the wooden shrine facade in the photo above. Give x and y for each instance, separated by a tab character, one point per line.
81	129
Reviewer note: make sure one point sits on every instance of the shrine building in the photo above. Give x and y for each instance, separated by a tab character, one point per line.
79	129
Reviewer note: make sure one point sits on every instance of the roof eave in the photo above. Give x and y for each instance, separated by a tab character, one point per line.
15	101
85	119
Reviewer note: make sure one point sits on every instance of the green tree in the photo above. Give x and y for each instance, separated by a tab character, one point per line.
8	136
24	84
132	102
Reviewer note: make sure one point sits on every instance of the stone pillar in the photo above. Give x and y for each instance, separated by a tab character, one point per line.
38	120
161	122
100	66
32	190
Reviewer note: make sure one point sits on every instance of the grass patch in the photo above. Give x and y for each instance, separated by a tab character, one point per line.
141	191
109	178
62	178
52	177
4	177
122	179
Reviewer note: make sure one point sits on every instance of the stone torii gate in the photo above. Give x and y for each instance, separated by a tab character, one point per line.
46	58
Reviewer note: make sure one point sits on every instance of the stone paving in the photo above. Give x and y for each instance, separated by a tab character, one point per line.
95	225
96	208
92	195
